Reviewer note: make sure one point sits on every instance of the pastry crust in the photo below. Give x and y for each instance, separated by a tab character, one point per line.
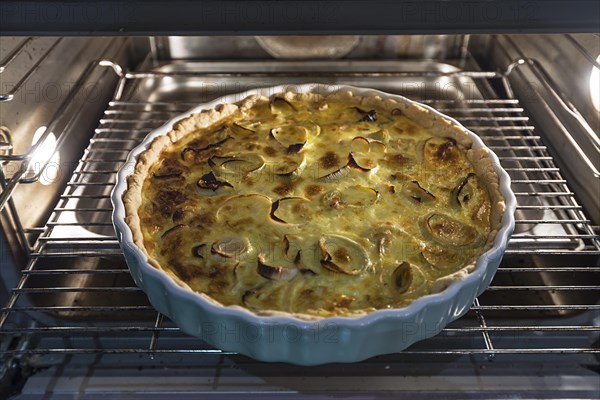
209	122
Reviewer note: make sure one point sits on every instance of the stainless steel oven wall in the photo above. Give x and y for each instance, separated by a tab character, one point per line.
365	47
48	83
553	81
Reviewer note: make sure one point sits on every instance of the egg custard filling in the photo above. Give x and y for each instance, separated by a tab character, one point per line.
314	206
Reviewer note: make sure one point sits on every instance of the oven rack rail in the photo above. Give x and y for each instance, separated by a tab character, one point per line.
500	121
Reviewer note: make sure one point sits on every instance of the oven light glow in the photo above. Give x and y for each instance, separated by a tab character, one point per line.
595	86
45	157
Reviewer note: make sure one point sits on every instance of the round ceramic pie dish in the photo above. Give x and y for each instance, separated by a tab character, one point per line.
295	337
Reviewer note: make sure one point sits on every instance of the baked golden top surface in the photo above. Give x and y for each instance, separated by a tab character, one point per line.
315	207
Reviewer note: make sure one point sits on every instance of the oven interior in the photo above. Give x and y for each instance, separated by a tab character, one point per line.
73	321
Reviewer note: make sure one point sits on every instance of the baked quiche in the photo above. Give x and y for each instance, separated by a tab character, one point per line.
314	206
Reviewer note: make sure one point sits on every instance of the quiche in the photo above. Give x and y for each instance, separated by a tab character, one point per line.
314	206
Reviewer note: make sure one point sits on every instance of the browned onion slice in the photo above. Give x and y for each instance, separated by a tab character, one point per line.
243	211
407	276
360	145
290	165
279	105
463	193
209	185
359	196
343	255
416	193
312	128
230	247
381	135
366	116
377	147
402	277
291	210
336	175
363	161
330	164
443	258
276	273
238	165
252	295
240	130
195	150
167	175
198	250
292	137
439	150
172	230
365	153
448	231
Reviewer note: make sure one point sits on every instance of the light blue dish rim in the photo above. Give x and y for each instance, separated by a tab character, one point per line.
143	272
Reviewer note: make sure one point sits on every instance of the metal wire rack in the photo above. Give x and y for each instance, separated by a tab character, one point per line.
544	299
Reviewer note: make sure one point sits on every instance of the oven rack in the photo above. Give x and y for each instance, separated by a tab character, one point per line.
78	241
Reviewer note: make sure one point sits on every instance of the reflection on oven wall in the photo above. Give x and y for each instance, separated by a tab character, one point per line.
439	47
